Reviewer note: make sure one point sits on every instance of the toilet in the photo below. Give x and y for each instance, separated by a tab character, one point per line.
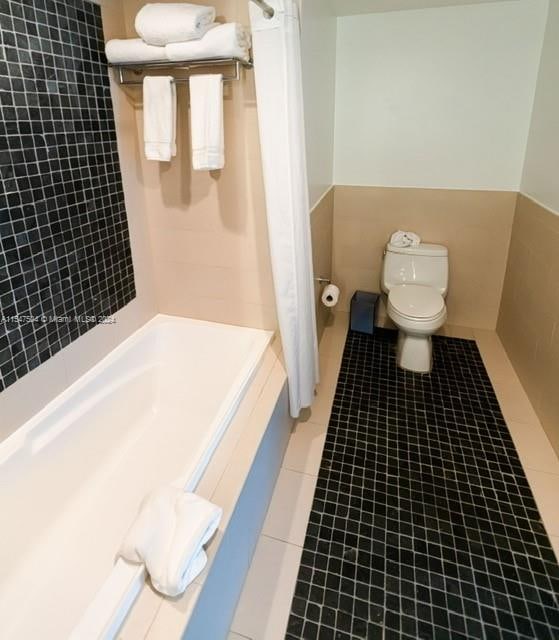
416	281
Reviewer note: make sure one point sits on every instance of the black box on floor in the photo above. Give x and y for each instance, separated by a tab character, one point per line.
363	311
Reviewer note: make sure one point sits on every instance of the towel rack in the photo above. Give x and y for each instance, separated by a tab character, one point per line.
138	68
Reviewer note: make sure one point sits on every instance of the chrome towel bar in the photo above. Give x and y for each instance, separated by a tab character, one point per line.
138	68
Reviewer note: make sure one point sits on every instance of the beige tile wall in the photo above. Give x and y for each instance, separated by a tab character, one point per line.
529	318
474	225
208	229
322	220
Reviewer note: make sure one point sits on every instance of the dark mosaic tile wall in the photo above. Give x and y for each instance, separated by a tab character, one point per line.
65	259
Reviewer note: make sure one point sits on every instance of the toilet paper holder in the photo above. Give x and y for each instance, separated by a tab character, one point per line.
323	280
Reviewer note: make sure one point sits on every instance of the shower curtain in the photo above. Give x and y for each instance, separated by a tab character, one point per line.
279	92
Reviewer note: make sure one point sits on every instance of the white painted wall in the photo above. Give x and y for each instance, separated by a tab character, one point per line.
541	171
353	7
318	50
437	98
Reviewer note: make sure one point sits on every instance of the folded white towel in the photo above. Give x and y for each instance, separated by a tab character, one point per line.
133	50
230	40
405	239
160	118
162	23
168	536
206	122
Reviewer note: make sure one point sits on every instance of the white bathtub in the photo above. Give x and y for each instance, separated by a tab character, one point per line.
71	479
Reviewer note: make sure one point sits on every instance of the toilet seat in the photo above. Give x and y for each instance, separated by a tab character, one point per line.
416	302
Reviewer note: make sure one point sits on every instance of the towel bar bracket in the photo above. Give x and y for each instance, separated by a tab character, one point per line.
266	8
191	66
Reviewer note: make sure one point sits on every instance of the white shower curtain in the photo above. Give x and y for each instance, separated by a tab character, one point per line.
279	92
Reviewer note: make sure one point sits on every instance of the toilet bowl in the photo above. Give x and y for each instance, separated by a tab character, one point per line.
418	311
416	281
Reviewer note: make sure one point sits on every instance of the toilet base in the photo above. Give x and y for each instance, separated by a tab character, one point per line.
414	353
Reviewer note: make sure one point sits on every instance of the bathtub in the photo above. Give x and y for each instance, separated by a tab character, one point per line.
71	479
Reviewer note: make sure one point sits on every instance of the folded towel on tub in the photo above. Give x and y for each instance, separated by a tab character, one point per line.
160	117
133	50
206	122
168	537
405	239
162	23
229	40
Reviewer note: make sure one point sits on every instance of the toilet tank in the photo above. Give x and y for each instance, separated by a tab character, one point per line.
426	264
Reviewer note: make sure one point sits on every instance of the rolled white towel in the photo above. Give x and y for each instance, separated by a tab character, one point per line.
162	23
230	40
133	50
405	239
168	537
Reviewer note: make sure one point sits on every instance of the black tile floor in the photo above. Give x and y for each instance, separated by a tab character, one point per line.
423	524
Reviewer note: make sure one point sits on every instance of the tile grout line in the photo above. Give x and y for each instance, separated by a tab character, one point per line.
292	544
547	473
303	473
243	637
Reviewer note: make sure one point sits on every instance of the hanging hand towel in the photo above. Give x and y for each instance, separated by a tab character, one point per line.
168	537
162	23
206	122
230	40
133	50
405	239
160	118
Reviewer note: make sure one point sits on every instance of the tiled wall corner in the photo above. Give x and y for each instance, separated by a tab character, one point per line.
322	220
529	317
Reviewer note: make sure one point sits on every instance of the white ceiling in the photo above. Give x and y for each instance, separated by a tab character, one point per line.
353	7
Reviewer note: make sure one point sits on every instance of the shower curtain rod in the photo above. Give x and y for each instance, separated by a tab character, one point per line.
266	8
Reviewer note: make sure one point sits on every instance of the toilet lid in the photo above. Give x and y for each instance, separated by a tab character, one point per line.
416	301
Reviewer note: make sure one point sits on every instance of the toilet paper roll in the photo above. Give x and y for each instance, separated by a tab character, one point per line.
330	295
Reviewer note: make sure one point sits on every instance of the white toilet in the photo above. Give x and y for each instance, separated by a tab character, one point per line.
416	281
